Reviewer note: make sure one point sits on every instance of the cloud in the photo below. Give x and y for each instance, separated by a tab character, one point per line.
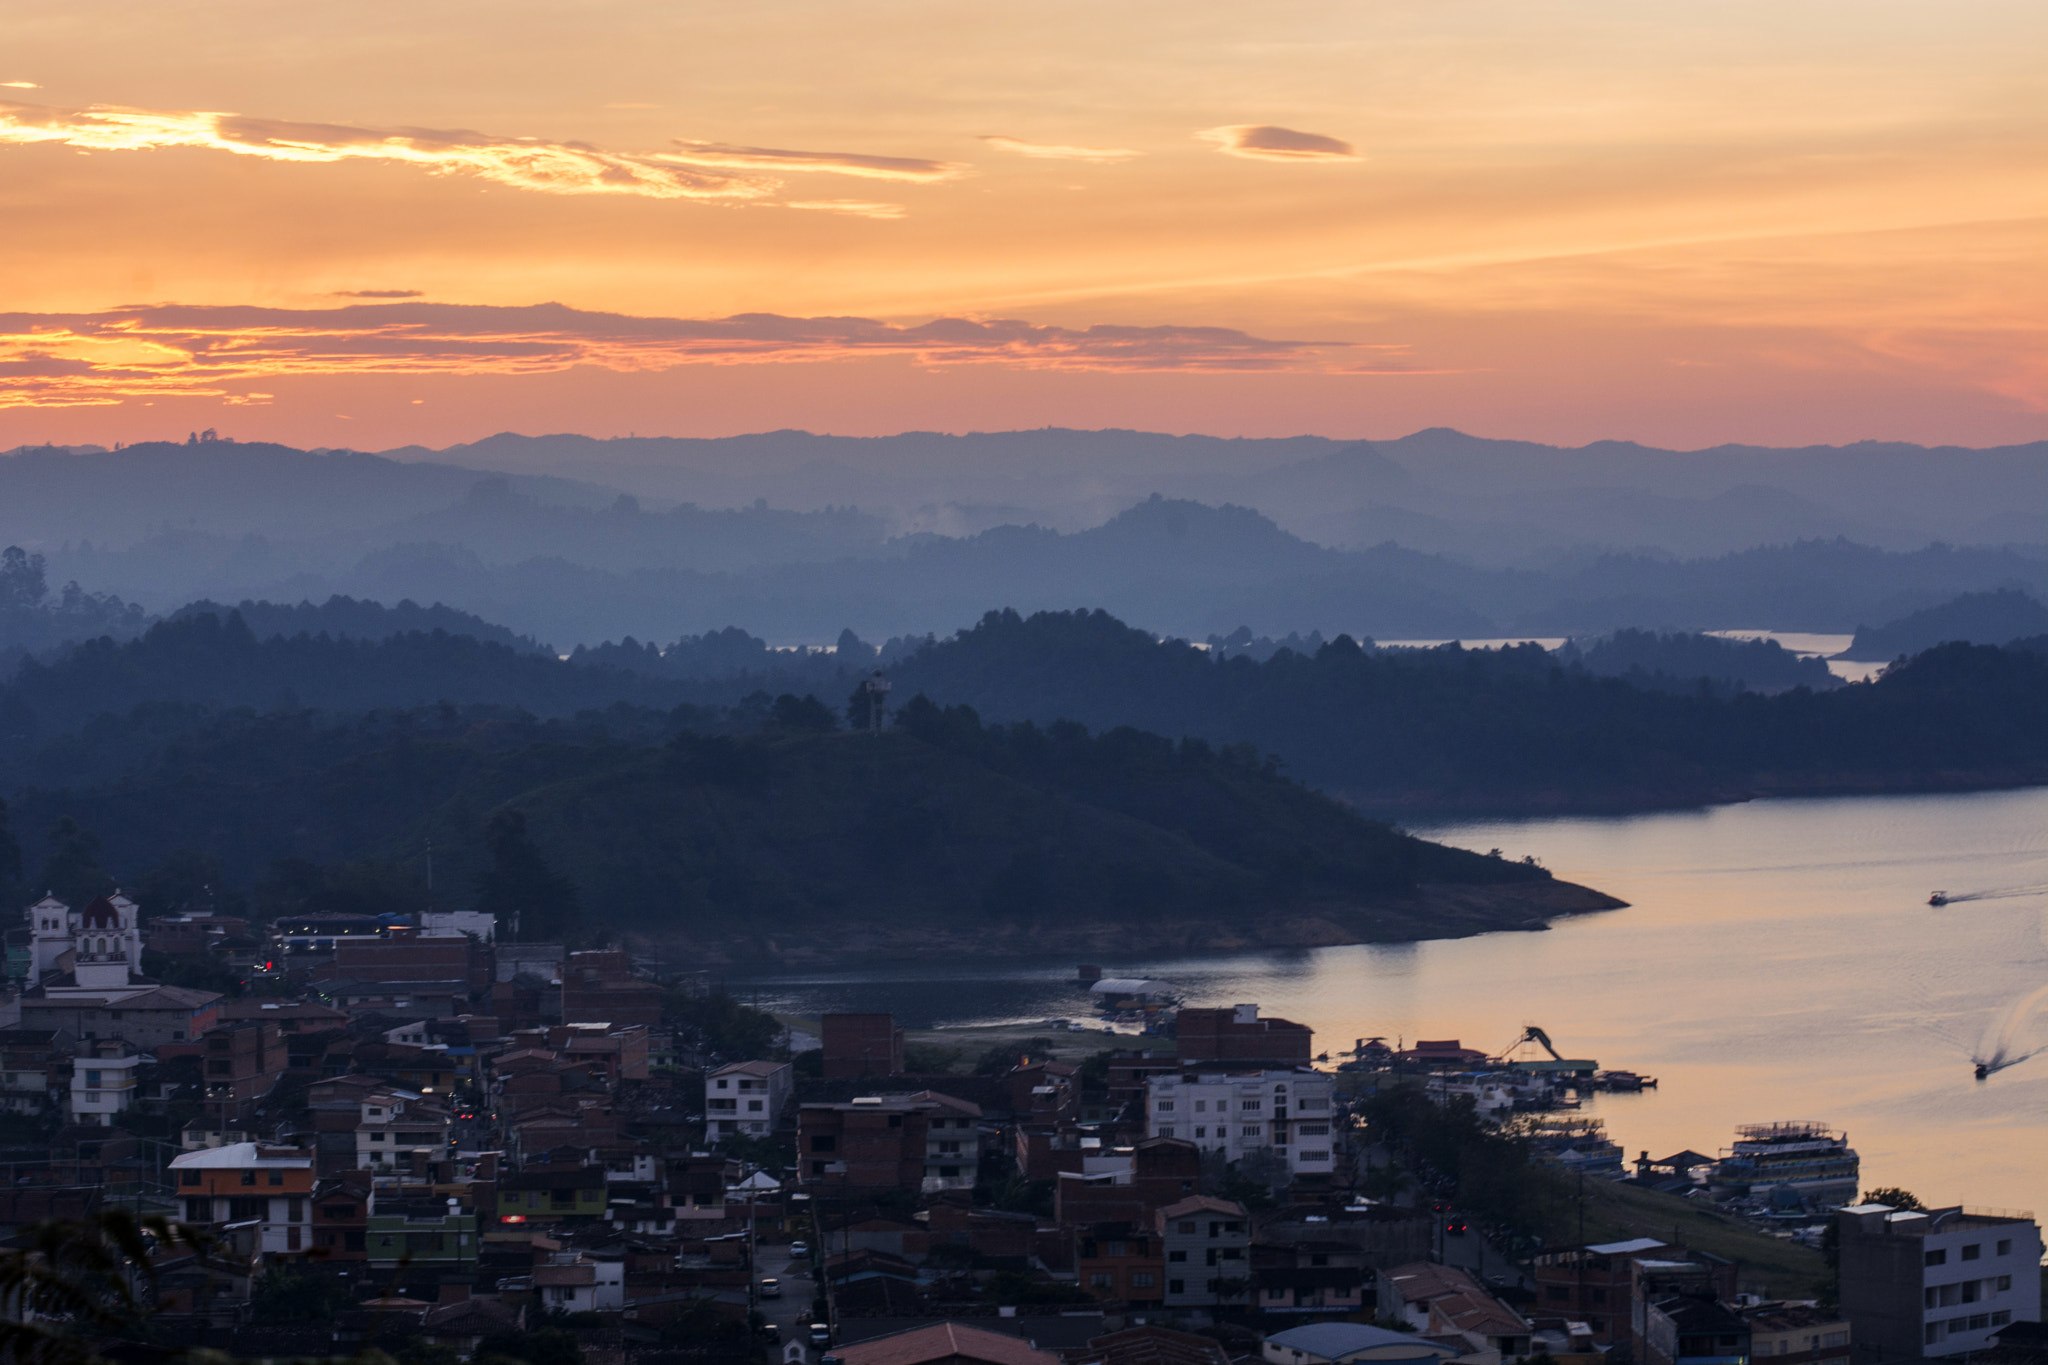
522	163
173	350
696	170
1264	142
718	154
1052	151
20	85
858	208
377	293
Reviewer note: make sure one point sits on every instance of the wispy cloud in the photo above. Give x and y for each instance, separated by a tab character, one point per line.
857	208
168	350
719	154
20	85
693	170
522	163
1264	142
1053	151
377	293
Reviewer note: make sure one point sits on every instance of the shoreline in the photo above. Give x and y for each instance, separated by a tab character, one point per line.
1436	810
1430	912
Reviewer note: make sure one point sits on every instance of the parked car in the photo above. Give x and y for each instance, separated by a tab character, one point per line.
798	1250
821	1335
770	1287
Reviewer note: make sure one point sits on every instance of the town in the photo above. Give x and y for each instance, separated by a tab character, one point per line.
403	1134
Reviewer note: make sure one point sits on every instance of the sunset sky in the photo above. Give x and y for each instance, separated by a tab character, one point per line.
335	224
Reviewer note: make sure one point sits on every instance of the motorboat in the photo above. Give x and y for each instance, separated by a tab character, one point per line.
1938	898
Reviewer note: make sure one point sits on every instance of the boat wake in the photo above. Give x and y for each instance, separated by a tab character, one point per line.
2008	1041
1996	894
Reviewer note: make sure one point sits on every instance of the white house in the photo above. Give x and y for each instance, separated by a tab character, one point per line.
102	1085
1287	1111
747	1098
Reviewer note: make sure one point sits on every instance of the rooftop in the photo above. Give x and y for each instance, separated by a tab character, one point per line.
940	1342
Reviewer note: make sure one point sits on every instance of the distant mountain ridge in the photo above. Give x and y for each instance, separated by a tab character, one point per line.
1984	618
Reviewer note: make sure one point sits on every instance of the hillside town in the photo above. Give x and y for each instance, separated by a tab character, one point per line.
415	1138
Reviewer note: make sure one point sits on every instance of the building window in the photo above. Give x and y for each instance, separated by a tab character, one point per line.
277	1177
1253	1129
2004	1283
188	1178
1165	1106
1251	1104
1972	1252
1937	1257
1176	1256
1314	1156
1201	1132
248	1177
2005	1246
1100	1280
1176	1286
825	1142
1311	1130
1201	1106
1166	1131
1142	1280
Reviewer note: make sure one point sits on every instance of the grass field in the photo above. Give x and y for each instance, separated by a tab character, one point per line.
1777	1269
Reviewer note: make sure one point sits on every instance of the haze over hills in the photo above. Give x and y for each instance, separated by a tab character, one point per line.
795	536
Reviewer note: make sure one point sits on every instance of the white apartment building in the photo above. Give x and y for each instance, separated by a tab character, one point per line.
1936	1282
747	1098
1288	1111
102	1086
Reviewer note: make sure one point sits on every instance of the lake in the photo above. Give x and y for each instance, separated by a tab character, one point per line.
1778	960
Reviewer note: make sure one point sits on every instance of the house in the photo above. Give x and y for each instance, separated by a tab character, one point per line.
1797	1334
103	1082
137	1011
1151	1345
1237	1113
1122	1262
26	1057
1128	1183
1935	1282
861	1045
1237	1039
394	1124
944	1343
1312	1277
421	1231
269	1188
1595	1284
1446	1301
600	986
1207	1243
953	1143
1338	1343
872	1142
746	1098
552	1196
1687	1327
341	1219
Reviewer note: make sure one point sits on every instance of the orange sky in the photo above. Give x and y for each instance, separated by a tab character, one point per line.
1779	223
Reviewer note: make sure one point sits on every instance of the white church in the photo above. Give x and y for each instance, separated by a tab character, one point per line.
102	942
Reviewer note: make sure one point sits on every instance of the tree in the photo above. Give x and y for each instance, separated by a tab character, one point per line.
530	902
1893	1197
66	1281
284	1295
721	1026
548	1346
72	871
803	714
10	857
22	585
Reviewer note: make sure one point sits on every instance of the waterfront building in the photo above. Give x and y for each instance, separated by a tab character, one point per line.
1794	1164
1288	1112
1935	1282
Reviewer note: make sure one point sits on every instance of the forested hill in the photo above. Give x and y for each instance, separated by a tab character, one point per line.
1509	730
785	837
1408	732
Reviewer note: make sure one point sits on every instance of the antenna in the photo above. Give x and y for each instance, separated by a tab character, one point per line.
877	688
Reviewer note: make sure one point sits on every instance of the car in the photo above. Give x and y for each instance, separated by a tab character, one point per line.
770	1332
770	1287
797	1249
821	1335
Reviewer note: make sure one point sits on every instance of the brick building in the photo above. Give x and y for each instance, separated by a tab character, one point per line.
1237	1039
862	1045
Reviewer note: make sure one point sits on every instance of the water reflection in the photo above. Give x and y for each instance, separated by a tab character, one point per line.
1778	961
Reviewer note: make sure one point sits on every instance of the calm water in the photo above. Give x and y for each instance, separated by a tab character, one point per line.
1778	961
